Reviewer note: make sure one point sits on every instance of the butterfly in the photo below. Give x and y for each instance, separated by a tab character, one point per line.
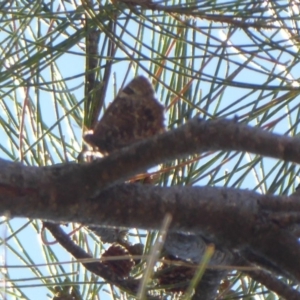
134	115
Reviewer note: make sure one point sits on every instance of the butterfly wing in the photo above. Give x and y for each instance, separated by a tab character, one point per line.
134	115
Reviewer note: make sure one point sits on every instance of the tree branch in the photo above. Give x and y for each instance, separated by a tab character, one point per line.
80	181
196	136
231	218
97	268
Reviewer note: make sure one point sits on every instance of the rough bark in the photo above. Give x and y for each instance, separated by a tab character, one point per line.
237	220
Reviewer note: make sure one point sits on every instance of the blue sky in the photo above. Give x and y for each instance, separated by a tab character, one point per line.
224	41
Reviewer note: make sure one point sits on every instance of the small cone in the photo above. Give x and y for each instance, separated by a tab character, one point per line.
120	267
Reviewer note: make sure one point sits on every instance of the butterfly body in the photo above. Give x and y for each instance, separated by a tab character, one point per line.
134	115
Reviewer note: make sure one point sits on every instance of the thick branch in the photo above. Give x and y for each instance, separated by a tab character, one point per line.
195	137
80	181
228	217
63	192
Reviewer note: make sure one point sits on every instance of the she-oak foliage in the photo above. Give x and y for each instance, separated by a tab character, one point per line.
199	210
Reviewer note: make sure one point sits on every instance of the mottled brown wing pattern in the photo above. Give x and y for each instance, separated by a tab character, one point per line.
134	115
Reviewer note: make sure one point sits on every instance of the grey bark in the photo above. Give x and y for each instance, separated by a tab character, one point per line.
92	194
